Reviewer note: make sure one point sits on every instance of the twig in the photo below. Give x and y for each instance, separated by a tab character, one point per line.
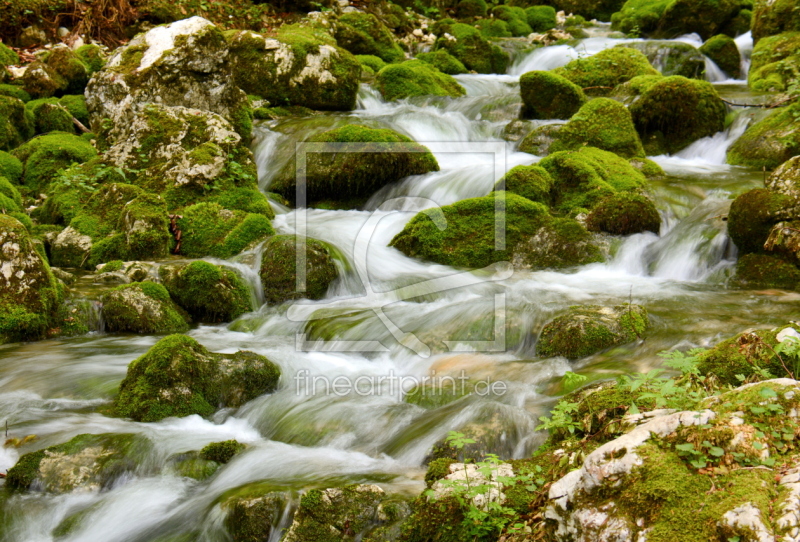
763	106
604	88
80	126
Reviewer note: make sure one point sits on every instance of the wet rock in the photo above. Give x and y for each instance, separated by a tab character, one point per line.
757	271
179	377
546	95
624	213
753	214
85	463
516	130
600	73
253	513
775	62
769	142
724	52
586	330
142	307
416	78
279	269
538	141
466	44
672	57
209	293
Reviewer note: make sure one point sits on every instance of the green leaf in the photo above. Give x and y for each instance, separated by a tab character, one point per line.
716	451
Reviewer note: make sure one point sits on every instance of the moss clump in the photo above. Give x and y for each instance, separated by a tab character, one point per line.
769	142
602	123
349	178
774	17
546	95
541	18
752	216
416	78
471	8
607	69
747	354
671	57
16	123
279	269
530	182
364	34
44	156
471	49
515	17
179	377
15	92
373	62
253	512
586	330
443	61
49	117
624	213
438	469
775	62
85	462
142	307
56	73
209	293
672	18
724	52
675	112
222	452
584	178
210	230
756	271
493	28
7	56
92	57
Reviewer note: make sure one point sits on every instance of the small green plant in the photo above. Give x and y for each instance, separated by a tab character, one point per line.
560	418
572	380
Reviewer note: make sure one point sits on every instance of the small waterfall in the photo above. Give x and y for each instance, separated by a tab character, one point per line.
745	45
713	72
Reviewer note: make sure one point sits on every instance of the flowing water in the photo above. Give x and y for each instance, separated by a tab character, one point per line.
390	315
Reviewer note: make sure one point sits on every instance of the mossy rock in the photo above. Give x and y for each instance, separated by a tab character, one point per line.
769	142
443	61
52	118
466	43
375	63
541	18
87	462
10	167
7	56
581	179
675	112
92	57
672	57
786	178
746	354
348	178
301	67
179	377
586	330
546	95
210	230
44	156
279	269
29	293
363	34
752	216
253	513
15	92
209	293
601	10
761	271
471	8
723	51
538	141
630	91
56	73
624	213
416	78
515	17
602	123
16	123
775	62
704	17
560	244
493	28
602	72
222	452
773	17
142	307
530	182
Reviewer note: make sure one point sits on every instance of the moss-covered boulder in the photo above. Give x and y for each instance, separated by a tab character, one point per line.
639	16
179	377
752	216
57	72
142	307
209	293
10	198
786	178
11	167
673	18
92	56
600	73
463	235
775	62
300	67
493	28
538	140
363	34
589	9
279	269
602	123
772	17
530	182
14	91
7	56
347	179
372	62
675	112
253	512
84	463
44	156
769	142
50	117
466	9
185	63
581	179
747	354
515	17
541	18
443	61
416	78
16	123
466	43
624	213
761	271
586	330
29	293
208	229
672	57
723	51
546	95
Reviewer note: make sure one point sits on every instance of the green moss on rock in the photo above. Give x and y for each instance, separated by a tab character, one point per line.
16	123
775	62
92	57
443	61
772	17
209	293
624	213
769	142
724	52
15	92
466	44
746	354
142	307
530	182
375	63
541	18
363	34
253	513
607	69
7	56
44	156
279	269
546	95
210	230
759	271
493	28
752	216
58	72
471	8
50	117
672	57
222	452
416	78
586	330
602	123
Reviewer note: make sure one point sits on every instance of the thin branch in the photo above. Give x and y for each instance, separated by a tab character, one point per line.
763	106
80	126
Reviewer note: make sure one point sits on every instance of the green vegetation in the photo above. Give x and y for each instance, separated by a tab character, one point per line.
771	18
752	216
279	269
471	49
769	142
602	72
209	293
208	229
44	156
776	62
757	271
530	182
624	213
541	18
471	8
16	123
416	78
142	307
364	34
222	452
443	61
515	17
546	95
724	52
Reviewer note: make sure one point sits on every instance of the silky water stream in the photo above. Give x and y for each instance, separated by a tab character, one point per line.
300	439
